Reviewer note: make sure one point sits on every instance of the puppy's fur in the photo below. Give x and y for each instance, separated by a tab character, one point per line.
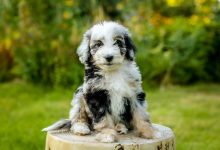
111	100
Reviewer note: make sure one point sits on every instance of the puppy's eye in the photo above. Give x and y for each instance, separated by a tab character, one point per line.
97	44
119	43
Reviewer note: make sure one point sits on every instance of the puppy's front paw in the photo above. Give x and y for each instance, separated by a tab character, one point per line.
148	134
106	136
80	128
145	130
121	128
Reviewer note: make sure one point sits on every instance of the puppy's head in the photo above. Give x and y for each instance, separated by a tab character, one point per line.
108	45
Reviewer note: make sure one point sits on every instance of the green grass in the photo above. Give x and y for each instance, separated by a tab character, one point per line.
192	112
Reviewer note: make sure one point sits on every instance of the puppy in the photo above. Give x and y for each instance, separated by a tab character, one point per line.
111	100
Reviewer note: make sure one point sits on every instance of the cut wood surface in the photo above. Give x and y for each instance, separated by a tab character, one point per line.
164	140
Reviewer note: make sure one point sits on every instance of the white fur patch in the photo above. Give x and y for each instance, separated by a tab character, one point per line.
80	128
74	111
106	136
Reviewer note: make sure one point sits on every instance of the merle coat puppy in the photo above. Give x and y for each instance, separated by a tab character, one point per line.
111	100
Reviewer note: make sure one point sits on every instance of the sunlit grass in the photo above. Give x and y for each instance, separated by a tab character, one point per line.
192	112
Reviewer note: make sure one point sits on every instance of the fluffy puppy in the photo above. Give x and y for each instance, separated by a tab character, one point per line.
111	100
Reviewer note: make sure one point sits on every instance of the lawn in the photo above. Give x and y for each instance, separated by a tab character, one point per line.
192	112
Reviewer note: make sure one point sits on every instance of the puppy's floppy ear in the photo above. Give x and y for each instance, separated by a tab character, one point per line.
130	47
83	49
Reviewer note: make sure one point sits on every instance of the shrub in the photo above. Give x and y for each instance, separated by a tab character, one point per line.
177	41
6	62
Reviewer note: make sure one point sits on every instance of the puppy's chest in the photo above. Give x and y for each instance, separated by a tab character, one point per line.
121	89
120	85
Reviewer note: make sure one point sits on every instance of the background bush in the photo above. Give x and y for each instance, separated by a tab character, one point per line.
178	41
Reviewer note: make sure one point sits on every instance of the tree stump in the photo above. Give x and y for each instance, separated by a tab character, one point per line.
164	140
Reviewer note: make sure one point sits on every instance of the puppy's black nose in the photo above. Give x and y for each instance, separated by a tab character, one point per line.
109	58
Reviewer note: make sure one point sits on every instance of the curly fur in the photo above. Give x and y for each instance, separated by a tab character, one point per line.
111	99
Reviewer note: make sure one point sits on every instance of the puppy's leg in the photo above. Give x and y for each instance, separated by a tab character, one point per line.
106	132
80	125
106	135
80	128
78	115
121	128
142	124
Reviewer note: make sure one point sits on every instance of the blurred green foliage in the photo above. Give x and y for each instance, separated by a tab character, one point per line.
178	41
